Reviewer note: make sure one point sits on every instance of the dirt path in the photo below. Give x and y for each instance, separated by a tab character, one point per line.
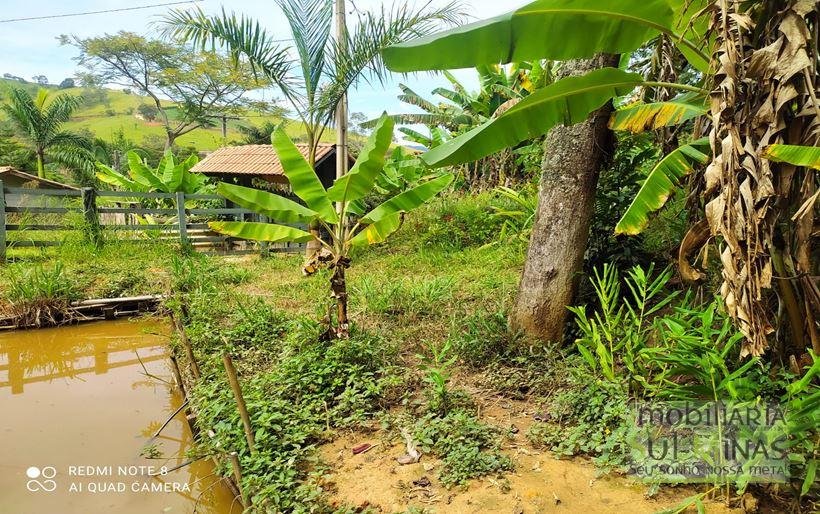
539	484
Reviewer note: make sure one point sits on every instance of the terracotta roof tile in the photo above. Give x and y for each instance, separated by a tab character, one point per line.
258	160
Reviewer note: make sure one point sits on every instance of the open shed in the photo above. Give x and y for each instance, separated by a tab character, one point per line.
18	180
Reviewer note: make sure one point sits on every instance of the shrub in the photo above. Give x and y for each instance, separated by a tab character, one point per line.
590	417
460	222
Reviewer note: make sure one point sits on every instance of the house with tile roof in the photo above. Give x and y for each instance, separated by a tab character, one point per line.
246	163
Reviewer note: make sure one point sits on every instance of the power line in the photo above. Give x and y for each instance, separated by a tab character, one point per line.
98	12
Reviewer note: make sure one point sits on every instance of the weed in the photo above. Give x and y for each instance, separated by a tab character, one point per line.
467	447
405	297
484	337
589	417
437	368
459	222
41	297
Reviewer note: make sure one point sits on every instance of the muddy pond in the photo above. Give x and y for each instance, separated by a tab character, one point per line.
77	406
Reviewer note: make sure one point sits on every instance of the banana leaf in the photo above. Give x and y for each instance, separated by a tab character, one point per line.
808	156
567	101
408	200
271	205
545	29
640	117
660	183
303	180
361	178
261	231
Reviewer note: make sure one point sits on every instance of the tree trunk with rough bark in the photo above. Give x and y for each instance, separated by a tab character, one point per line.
573	157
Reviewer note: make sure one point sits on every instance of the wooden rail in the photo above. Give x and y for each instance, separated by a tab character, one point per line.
115	214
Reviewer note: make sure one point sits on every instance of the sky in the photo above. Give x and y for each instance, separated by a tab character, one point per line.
30	47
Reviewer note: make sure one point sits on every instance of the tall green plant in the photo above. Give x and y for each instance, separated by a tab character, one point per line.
326	67
39	120
169	176
343	227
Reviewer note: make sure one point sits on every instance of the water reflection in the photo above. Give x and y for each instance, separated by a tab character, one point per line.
93	395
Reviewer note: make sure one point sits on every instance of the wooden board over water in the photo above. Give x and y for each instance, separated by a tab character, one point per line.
77	402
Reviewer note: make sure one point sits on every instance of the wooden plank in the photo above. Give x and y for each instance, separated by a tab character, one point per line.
44	210
33	244
118	301
42	192
23	228
219	211
181	219
204	197
210	239
121	210
130	194
169	228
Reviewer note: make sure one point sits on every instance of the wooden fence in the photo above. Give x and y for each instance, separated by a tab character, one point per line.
122	214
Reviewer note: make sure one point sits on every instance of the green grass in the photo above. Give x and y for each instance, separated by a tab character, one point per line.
439	290
98	119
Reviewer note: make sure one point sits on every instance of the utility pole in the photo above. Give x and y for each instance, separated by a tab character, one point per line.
341	109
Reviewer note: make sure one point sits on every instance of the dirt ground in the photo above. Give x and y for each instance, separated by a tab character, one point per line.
540	483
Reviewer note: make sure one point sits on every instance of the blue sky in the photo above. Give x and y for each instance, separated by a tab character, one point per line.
30	47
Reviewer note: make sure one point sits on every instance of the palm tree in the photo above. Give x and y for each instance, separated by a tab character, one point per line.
327	67
253	135
38	121
460	110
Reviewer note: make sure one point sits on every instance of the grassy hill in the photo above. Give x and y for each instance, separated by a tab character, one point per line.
109	111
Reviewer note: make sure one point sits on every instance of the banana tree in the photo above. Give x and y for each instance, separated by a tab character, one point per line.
334	209
748	198
169	176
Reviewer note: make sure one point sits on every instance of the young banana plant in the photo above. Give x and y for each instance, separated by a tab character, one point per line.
337	210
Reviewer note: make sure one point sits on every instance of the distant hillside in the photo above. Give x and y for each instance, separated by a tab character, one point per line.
106	111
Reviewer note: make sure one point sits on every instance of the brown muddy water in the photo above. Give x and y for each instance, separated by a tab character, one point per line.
76	409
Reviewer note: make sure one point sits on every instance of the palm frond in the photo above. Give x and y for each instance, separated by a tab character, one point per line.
241	36
359	57
70	139
310	24
412	119
411	97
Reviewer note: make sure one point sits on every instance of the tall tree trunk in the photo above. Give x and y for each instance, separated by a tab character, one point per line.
573	157
41	169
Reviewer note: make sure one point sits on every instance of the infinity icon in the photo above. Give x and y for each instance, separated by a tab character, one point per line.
46	473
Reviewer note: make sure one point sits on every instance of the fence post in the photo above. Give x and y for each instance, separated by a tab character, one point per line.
2	223
240	401
264	246
183	220
92	217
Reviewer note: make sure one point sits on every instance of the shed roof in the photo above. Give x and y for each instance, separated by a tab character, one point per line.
254	160
8	171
